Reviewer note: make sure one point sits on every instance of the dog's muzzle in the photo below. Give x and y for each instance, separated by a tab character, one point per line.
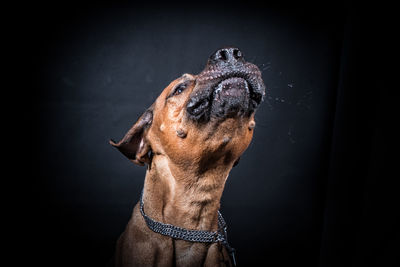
227	87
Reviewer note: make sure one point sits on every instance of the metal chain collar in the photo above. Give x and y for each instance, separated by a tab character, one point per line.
201	236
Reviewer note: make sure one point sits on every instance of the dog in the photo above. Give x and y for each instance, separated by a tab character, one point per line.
190	138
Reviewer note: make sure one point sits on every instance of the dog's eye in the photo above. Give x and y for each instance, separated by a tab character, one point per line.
179	89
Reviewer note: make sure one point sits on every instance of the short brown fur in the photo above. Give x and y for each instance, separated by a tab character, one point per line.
187	170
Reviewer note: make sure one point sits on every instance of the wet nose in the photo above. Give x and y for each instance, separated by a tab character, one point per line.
230	55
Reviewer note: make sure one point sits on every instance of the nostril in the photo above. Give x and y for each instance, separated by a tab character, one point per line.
223	54
237	54
227	55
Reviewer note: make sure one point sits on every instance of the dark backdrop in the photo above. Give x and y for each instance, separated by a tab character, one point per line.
310	190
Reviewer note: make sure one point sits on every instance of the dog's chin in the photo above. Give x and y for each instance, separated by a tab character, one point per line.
230	98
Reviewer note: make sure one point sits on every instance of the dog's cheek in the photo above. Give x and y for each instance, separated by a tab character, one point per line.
165	139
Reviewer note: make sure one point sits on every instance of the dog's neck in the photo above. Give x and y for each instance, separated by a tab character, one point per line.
184	197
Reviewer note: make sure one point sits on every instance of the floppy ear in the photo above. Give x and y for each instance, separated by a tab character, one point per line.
134	145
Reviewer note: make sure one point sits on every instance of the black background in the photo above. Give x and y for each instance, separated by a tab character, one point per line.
312	189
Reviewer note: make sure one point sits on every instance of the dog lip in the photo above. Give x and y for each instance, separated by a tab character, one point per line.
196	107
251	78
249	72
233	80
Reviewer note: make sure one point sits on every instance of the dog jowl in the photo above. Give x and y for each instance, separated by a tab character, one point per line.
190	138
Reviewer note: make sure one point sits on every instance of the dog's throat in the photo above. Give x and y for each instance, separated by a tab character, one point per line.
181	197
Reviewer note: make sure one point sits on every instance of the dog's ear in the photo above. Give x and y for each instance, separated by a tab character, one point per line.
134	145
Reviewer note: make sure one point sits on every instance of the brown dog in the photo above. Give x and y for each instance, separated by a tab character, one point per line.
191	137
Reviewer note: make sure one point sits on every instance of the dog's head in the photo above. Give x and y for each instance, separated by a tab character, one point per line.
200	120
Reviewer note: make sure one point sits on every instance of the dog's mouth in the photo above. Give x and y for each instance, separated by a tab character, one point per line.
224	92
